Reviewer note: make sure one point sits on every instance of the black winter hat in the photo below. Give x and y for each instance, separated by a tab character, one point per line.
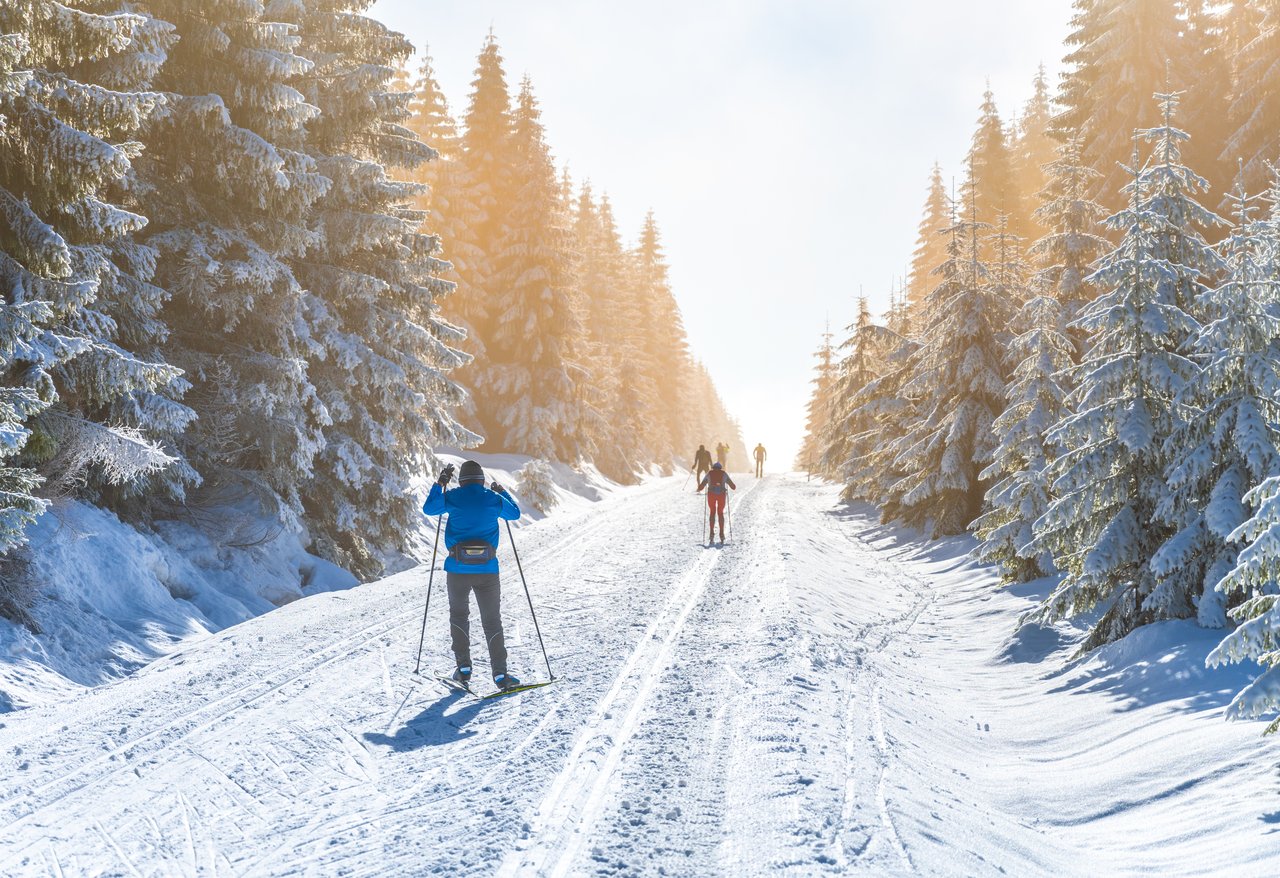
470	472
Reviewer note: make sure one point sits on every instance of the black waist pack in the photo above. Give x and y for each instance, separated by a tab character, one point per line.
473	552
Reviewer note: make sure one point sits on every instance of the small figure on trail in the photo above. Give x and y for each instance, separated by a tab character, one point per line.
701	461
722	454
471	540
717	496
760	455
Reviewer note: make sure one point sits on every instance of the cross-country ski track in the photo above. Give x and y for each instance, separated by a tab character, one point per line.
820	696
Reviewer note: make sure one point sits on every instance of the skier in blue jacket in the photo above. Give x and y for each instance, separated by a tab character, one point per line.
471	565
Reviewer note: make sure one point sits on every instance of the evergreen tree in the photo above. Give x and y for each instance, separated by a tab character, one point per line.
1253	117
991	188
856	370
69	108
1020	490
380	354
821	399
1066	254
1033	151
1230	442
666	344
487	169
529	378
931	243
226	218
1122	51
957	383
1102	527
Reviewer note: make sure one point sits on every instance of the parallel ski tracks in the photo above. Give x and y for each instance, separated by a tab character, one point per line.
178	729
562	823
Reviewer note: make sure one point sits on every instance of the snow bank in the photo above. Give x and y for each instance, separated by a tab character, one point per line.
112	599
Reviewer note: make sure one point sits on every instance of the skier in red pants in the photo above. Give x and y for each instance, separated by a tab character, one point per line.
717	496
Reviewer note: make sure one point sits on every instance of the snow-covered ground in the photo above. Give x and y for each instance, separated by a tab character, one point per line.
821	696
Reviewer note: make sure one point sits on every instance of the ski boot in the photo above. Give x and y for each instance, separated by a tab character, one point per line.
462	676
506	681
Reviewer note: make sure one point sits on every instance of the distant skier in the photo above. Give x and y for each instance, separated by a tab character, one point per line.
760	455
717	496
701	461
471	539
722	454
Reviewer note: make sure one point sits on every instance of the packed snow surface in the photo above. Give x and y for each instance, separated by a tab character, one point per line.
822	695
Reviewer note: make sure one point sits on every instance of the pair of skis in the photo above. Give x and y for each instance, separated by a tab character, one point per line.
453	684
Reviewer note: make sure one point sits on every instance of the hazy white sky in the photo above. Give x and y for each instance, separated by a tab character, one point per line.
784	145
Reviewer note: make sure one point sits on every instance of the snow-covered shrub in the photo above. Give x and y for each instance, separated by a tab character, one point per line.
534	484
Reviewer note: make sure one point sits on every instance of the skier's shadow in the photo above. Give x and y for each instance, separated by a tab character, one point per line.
431	728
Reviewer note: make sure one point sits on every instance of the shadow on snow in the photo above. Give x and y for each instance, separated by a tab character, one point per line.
432	727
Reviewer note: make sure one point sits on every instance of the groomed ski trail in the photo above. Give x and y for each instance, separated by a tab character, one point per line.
821	696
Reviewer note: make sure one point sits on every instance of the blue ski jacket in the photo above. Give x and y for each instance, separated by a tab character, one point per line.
474	512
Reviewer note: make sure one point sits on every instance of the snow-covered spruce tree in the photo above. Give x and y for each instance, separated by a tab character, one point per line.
535	483
1229	443
66	124
991	186
818	409
666	345
1102	528
1121	52
859	366
956	382
1065	256
531	374
488	171
1252	583
1034	148
931	242
380	355
1253	117
227	216
1020	492
449	199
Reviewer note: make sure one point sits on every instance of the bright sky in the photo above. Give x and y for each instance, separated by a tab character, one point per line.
784	146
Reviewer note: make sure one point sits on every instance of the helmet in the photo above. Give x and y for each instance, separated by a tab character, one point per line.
470	472
716	465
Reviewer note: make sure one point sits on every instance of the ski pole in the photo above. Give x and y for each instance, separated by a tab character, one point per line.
686	480
529	598
430	579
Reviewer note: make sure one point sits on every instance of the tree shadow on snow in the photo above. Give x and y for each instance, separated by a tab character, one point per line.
1159	663
432	727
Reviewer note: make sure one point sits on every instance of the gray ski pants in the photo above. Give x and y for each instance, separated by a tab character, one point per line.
489	599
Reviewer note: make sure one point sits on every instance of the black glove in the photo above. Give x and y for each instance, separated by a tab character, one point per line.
496	487
446	476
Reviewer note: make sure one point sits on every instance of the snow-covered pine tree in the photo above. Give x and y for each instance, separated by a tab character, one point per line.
1101	527
487	170
1253	118
818	409
957	383
1121	52
381	355
1065	255
449	200
226	218
885	414
1042	353
856	369
991	187
69	110
666	345
1213	35
1034	148
1253	255
1229	443
931	242
531	376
